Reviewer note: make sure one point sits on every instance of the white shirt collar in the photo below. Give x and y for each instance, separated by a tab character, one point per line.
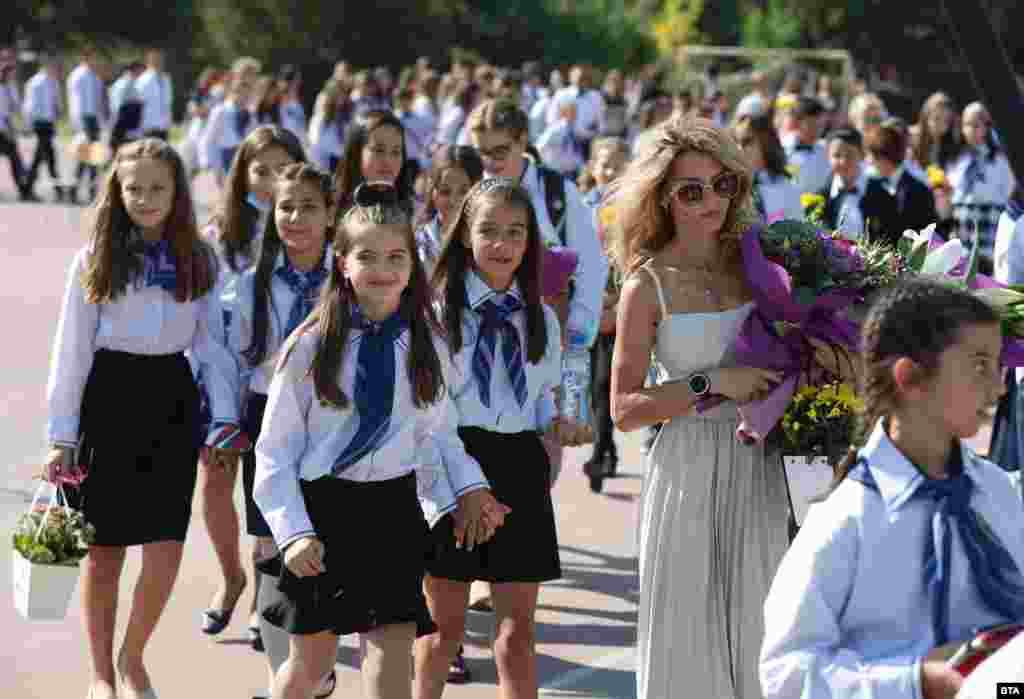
838	184
477	290
897	478
281	259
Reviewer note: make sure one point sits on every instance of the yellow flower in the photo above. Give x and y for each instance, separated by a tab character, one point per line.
607	215
835	412
808	392
787	244
810	200
849	400
793	170
936	177
785	101
796	426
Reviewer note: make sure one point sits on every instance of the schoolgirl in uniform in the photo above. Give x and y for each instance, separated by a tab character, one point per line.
488	277
982	182
328	126
374	152
920	540
121	395
256	312
236	233
345	412
292	113
228	125
455	170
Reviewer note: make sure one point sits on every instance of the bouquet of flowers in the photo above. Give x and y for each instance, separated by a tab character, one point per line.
805	283
820	420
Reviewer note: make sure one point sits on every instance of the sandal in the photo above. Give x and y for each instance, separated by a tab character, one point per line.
327	686
216	620
458	673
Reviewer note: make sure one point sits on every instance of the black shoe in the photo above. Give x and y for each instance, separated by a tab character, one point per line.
28	196
256	639
73	195
595	472
58	193
611	466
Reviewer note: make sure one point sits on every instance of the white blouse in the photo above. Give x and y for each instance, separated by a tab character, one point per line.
505	415
848	614
232	326
140	321
996	188
301	438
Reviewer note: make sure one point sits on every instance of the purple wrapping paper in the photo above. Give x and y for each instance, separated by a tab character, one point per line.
557	266
758	344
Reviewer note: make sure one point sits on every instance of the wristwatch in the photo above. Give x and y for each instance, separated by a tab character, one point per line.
699	383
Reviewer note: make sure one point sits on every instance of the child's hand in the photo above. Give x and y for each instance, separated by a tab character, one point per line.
59	462
477	517
305	557
938	679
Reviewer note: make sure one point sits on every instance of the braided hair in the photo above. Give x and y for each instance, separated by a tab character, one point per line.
919	320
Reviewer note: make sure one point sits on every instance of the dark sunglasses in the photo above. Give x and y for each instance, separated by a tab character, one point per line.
375	194
691	193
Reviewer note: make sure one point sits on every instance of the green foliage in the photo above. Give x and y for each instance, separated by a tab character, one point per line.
774	27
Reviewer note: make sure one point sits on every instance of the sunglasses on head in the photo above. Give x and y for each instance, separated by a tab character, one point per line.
691	192
375	194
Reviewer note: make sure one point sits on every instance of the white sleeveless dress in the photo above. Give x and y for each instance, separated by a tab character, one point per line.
713	529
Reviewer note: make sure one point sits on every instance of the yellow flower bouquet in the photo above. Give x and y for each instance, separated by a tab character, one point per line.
820	420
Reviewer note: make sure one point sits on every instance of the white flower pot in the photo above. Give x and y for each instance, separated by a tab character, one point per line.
42	592
807	477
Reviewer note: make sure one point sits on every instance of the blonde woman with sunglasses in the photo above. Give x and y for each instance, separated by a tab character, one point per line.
714	511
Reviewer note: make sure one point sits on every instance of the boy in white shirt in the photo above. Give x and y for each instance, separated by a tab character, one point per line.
557	146
42	107
85	97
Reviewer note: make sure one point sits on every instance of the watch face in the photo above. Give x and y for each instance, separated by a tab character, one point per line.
699	384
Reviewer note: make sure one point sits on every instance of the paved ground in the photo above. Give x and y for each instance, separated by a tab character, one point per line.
586	620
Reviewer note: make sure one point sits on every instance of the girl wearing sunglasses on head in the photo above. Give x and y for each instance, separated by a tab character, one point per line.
682	207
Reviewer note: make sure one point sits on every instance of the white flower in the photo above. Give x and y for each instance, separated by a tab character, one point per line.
924	236
941	262
998	297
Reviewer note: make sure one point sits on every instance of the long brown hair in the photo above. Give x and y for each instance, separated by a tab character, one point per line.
332	317
349	174
644	225
456	260
948	145
256	352
919	320
236	218
112	264
463	158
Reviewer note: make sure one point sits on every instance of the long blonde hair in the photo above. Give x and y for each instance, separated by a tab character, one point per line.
644	225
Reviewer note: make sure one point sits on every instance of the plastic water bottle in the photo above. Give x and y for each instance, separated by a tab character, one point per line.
576	373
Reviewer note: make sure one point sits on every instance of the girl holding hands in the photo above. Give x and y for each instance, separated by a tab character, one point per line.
354	387
488	277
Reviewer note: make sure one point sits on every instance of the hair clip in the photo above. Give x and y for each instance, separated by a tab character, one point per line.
378	193
492	183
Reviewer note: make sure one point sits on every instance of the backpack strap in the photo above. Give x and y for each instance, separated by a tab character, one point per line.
554	199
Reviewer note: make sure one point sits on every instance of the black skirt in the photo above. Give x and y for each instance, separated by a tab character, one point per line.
255	406
375	542
139	418
525	549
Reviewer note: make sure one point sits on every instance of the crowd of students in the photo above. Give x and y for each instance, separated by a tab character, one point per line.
365	326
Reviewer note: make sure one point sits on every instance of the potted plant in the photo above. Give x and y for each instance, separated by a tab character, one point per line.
49	542
817	428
